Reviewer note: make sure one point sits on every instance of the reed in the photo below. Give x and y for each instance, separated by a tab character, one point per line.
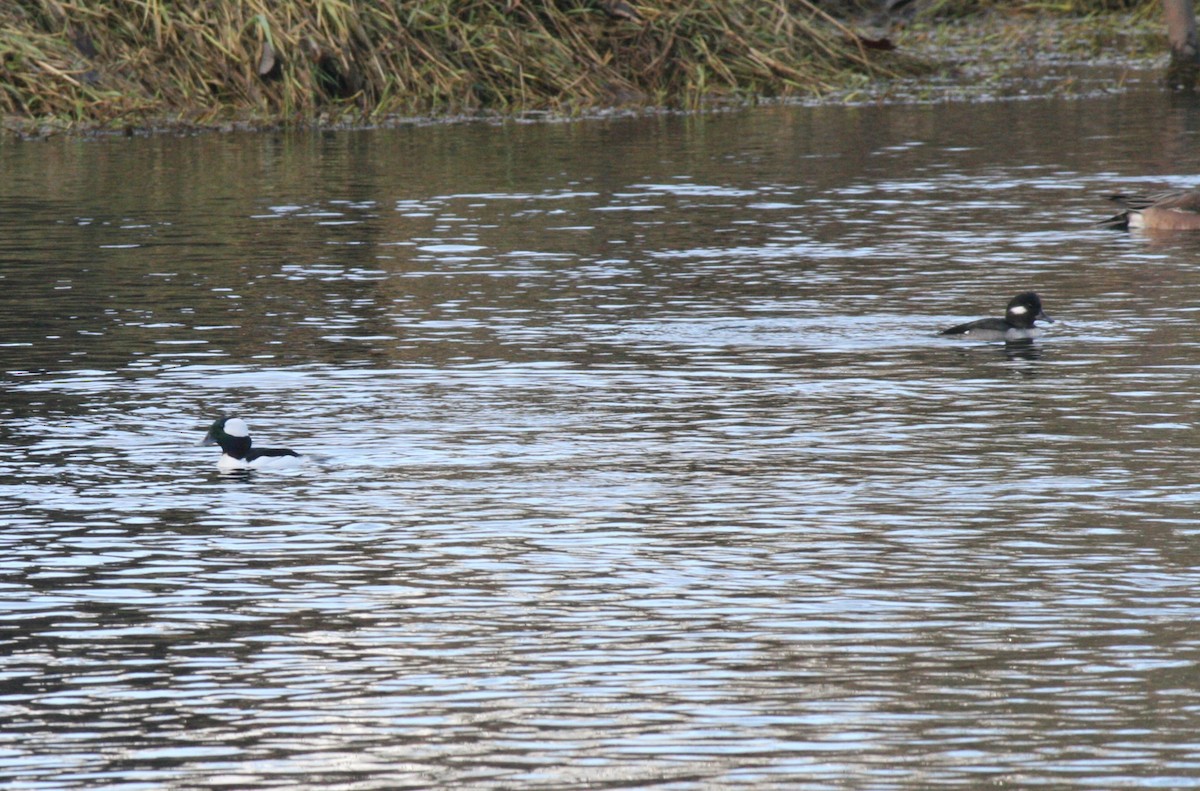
98	63
129	61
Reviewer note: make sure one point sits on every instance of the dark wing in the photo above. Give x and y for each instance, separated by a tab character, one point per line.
260	452
1179	200
1119	221
990	325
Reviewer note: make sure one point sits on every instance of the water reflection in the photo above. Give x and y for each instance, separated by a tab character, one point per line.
638	459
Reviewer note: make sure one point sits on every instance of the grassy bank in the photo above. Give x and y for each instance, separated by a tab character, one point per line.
117	63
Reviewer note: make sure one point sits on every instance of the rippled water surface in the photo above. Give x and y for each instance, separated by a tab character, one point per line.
634	457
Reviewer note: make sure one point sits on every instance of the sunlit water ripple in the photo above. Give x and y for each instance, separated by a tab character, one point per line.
634	459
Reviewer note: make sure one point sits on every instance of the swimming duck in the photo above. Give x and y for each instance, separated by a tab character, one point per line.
233	435
1163	211
1017	325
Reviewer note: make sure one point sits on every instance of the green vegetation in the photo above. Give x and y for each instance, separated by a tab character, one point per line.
132	63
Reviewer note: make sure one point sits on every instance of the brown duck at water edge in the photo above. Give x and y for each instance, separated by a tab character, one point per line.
1163	211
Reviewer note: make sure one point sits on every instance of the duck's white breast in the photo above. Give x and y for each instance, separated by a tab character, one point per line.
229	463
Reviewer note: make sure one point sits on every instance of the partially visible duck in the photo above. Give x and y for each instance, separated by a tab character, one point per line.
1017	325
233	435
1163	211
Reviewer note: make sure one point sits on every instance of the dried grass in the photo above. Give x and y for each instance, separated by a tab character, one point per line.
128	61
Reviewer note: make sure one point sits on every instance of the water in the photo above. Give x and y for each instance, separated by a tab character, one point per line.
636	461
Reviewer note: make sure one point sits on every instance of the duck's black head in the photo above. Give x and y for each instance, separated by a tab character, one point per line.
232	434
1024	309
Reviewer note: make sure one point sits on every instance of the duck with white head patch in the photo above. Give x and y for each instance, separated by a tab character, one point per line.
233	435
1017	325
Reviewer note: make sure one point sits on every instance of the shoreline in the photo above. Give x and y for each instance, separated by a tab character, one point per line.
984	57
